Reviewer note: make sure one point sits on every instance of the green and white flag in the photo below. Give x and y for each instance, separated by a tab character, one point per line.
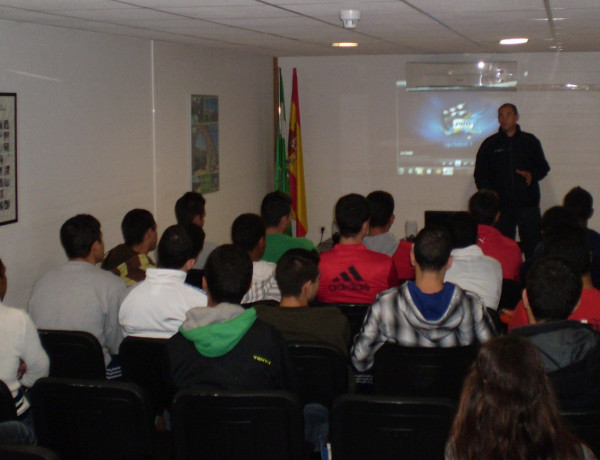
282	179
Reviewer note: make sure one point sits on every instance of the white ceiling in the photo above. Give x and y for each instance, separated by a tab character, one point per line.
307	28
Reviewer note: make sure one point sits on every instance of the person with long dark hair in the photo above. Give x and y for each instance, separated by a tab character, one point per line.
508	409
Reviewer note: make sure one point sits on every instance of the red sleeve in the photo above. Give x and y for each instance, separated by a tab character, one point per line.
518	261
401	259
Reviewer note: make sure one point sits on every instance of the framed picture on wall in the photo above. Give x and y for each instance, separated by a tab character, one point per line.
205	143
8	158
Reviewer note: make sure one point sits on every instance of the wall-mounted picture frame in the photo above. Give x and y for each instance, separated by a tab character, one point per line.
205	143
8	158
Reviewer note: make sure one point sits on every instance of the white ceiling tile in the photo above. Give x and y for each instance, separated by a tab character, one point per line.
229	12
305	27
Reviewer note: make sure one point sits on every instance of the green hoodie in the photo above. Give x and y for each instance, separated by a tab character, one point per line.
219	339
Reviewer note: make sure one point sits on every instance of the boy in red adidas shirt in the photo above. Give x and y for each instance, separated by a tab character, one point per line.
351	273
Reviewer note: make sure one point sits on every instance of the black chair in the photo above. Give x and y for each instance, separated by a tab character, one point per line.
421	371
247	425
194	277
384	427
142	362
7	404
73	354
21	452
93	419
355	312
322	372
586	426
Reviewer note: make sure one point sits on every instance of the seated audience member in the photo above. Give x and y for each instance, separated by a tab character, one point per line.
380	239
401	259
20	344
130	259
224	345
572	245
190	209
508	409
298	278
276	213
570	350
427	312
78	295
484	206
297	274
580	201
351	273
471	269
156	307
553	217
248	233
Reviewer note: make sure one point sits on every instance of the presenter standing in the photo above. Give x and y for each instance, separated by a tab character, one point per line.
512	162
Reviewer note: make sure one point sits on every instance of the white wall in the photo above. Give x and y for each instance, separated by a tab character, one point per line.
348	113
86	141
244	85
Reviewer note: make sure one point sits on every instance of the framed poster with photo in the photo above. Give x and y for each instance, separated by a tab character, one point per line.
205	143
8	158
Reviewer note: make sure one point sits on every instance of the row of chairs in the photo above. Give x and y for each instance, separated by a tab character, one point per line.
78	354
321	369
398	370
87	419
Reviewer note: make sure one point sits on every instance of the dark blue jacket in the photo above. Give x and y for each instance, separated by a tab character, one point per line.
498	159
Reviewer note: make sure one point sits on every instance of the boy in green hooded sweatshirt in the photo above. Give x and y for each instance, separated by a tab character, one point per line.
225	346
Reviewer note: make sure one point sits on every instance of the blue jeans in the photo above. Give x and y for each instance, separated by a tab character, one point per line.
316	425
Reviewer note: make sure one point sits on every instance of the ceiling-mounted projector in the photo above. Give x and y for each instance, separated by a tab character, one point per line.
350	18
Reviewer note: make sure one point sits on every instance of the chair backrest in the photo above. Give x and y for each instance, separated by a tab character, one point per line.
421	371
245	425
21	452
322	372
355	312
142	362
384	427
73	354
92	419
586	426
7	404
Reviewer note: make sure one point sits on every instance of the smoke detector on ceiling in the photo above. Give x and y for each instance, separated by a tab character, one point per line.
350	18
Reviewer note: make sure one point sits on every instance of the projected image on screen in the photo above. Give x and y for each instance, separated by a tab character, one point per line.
439	133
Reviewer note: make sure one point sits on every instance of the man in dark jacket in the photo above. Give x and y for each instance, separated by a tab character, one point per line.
224	345
570	350
512	162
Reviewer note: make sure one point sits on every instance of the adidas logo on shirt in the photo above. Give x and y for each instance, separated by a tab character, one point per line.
349	280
